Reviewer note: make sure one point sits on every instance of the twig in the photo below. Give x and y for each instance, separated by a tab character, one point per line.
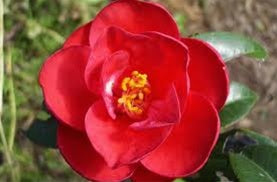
6	151
12	102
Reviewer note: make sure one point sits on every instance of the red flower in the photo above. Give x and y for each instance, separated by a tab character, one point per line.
133	98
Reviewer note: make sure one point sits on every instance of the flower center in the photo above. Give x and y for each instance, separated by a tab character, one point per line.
135	91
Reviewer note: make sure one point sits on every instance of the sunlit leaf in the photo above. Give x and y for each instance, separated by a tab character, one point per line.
239	102
231	45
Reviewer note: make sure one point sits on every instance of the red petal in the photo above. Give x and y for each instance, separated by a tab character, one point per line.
172	66
63	85
170	69
162	112
190	143
80	155
116	141
143	175
207	72
161	57
112	40
158	55
133	16
79	37
111	71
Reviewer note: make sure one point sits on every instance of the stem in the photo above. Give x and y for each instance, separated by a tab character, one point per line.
9	72
7	152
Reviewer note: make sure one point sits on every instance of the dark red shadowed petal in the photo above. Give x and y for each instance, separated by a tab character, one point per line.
133	16
116	141
190	143
142	174
111	71
207	72
79	37
80	155
62	81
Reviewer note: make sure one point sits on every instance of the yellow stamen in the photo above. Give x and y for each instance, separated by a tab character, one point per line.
135	89
124	83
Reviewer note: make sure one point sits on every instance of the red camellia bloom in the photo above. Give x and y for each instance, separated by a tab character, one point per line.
133	98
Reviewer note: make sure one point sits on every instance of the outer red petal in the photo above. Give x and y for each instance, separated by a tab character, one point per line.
143	175
133	16
63	85
116	141
207	72
190	143
80	155
79	37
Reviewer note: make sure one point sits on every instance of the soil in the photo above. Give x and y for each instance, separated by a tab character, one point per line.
254	18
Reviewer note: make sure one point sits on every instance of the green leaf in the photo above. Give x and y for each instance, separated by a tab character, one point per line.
247	170
239	102
231	45
260	139
256	163
43	133
179	180
180	19
264	156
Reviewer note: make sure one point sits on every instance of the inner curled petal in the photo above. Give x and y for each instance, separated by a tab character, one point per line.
135	94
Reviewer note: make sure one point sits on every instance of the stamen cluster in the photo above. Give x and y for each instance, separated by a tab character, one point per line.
135	90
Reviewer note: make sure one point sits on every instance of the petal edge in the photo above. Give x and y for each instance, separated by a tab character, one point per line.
196	136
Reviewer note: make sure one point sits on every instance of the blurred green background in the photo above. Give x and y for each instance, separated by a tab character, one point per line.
34	29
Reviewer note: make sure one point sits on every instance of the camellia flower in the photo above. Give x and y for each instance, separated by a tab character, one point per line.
133	98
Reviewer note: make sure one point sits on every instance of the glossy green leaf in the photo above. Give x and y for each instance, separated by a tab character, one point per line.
255	164
231	45
239	102
259	138
247	170
264	156
43	133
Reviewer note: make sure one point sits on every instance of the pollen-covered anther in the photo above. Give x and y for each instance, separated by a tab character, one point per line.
135	89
